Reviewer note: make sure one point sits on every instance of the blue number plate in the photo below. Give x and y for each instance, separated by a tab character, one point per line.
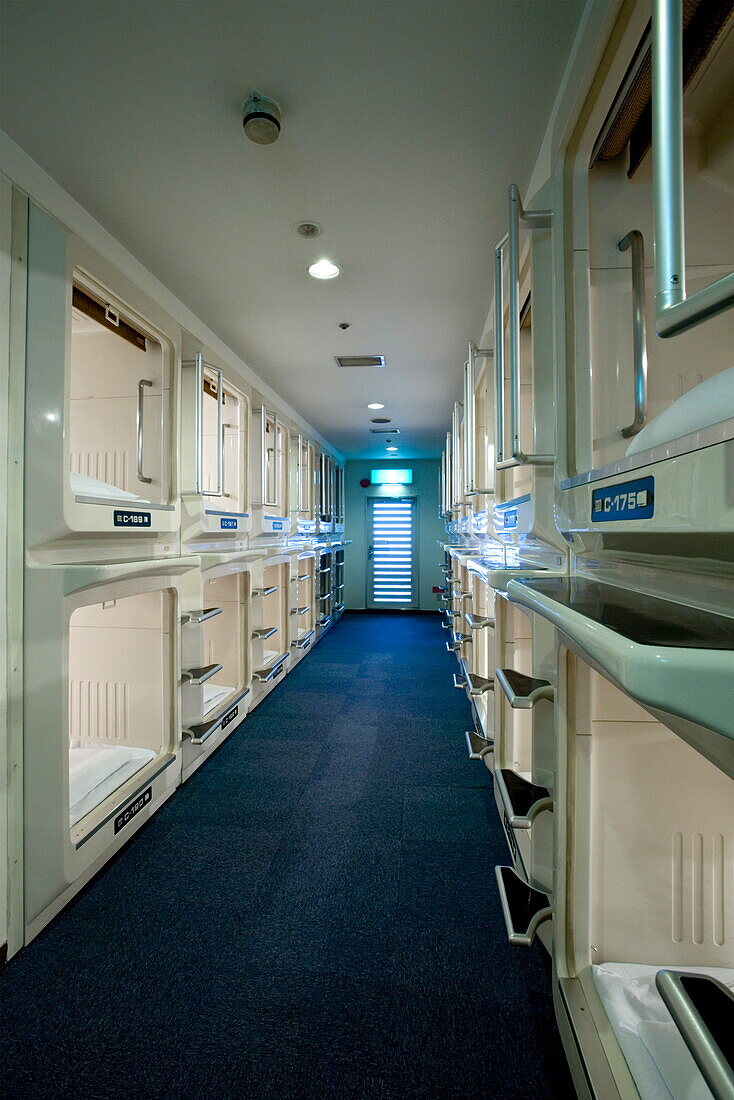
229	525
628	500
131	519
509	520
277	525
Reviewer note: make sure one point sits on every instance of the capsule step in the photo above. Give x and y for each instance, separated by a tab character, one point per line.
523	908
522	691
703	1010
477	622
522	800
200	616
200	675
478	746
264	632
265	675
202	731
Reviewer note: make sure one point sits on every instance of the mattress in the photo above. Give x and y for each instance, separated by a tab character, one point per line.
83	485
708	403
214	694
656	1053
96	771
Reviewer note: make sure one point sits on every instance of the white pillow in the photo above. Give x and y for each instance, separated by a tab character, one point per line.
707	403
92	487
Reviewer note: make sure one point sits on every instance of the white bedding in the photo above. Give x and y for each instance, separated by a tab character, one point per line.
656	1053
86	486
214	694
708	403
95	771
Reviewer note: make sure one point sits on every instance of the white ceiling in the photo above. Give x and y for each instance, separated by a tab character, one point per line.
403	124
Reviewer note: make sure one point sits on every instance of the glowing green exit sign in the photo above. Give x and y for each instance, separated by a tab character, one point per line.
392	477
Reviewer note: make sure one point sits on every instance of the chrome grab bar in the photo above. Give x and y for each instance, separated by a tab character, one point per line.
470	420
635	241
139	427
674	312
537	219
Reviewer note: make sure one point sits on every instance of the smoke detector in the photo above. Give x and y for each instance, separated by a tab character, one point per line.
261	118
309	230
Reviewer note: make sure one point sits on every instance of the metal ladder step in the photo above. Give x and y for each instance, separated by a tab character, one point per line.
522	691
522	800
478	746
523	908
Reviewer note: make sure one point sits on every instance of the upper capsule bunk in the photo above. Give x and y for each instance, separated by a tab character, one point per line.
653	243
215	428
101	400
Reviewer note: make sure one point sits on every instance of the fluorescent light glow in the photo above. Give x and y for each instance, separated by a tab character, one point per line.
375	405
391	448
392	477
323	269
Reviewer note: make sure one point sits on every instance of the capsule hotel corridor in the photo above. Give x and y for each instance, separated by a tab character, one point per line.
367	549
306	918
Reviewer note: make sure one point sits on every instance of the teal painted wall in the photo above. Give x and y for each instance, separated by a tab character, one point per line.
426	472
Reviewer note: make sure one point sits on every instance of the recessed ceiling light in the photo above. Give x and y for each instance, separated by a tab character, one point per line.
323	269
375	405
391	448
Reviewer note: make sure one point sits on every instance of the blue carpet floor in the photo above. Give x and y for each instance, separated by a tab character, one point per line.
313	914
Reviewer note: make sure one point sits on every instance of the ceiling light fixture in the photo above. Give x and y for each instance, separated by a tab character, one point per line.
323	269
375	405
391	448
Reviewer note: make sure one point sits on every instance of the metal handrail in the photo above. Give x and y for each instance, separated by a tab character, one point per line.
139	428
499	358
264	414
470	489
537	219
635	241
674	311
200	363
456	466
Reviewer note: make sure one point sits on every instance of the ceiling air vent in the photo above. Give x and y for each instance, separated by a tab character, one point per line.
385	431
360	360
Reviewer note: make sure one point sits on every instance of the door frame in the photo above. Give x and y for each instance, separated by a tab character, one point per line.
415	587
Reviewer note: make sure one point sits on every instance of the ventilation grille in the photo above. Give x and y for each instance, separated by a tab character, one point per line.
99	711
109	466
385	431
360	360
700	888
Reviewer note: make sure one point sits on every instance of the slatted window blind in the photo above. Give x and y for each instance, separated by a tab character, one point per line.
392	575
